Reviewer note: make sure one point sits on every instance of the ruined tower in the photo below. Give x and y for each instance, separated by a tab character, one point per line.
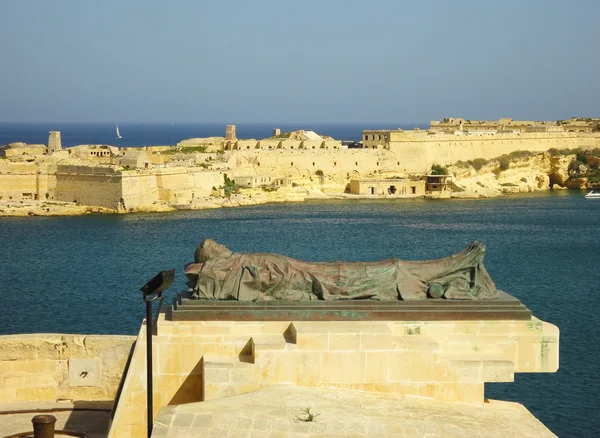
230	133
54	144
276	132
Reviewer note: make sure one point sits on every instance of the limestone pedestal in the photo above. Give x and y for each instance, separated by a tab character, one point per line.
443	361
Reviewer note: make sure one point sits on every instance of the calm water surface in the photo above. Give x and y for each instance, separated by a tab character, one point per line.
83	274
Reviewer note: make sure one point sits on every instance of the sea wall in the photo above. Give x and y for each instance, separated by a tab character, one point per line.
89	185
174	186
51	367
138	189
135	189
26	181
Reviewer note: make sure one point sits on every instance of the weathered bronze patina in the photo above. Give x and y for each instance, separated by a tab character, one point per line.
220	274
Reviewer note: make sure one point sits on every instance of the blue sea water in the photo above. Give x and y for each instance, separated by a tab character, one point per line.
146	134
83	274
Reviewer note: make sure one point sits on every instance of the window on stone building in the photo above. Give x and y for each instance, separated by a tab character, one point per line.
335	163
291	164
313	163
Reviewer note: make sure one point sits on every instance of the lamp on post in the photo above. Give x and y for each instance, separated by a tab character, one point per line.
151	291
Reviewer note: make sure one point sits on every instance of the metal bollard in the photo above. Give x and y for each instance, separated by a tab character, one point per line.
43	426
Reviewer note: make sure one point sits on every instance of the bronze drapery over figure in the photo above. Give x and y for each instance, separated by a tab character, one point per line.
220	274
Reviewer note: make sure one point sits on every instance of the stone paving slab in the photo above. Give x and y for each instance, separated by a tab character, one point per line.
94	423
278	412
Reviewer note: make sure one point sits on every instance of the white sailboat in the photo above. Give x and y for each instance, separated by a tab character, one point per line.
118	133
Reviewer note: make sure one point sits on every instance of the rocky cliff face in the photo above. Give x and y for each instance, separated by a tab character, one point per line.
510	174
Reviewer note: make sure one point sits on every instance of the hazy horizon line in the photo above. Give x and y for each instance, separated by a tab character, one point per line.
211	123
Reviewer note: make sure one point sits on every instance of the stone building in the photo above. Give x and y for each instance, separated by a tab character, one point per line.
253	181
19	149
94	152
387	187
438	184
135	159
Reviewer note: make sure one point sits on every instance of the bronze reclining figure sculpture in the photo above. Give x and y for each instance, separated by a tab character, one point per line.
217	273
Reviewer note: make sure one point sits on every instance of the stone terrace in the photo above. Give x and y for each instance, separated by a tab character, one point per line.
278	411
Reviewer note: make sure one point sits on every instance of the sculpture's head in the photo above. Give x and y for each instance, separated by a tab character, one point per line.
209	249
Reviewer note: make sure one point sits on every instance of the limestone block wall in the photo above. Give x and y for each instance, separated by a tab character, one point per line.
268	144
290	144
88	186
139	189
312	144
50	367
245	144
46	184
446	361
305	162
20	181
418	152
179	186
18	186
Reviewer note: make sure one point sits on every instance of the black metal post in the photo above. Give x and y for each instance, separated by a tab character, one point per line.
152	290
149	363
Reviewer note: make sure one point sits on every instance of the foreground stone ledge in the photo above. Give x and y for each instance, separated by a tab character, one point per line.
442	361
275	411
51	367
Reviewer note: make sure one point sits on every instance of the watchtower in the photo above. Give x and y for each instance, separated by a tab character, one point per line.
54	143
230	132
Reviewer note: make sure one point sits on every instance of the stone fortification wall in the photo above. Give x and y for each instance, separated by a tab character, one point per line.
110	188
305	162
408	152
138	189
49	367
89	185
242	144
181	186
270	144
420	151
175	186
26	181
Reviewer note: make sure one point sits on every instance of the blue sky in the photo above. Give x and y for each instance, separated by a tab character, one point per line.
302	61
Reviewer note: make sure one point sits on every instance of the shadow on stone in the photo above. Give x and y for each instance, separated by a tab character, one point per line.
192	388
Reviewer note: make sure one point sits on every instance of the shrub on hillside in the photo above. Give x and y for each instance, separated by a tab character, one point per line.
574	166
519	154
504	163
436	169
564	151
478	163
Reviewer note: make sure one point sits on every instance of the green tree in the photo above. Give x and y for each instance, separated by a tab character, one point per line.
436	169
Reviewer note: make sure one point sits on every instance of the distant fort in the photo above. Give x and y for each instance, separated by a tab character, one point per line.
138	178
